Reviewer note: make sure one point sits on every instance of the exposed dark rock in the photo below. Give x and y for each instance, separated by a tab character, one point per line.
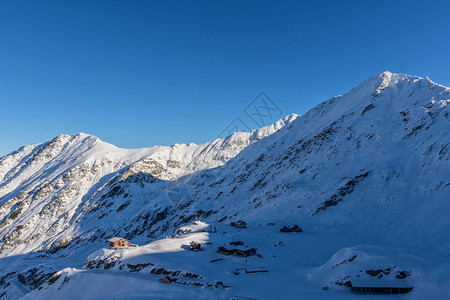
367	108
342	192
33	278
54	278
163	271
59	245
346	261
402	274
138	267
123	206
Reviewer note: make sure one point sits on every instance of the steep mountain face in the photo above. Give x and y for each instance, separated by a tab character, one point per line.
45	189
377	155
374	162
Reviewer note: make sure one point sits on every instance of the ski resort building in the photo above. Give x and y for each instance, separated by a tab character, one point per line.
378	286
116	242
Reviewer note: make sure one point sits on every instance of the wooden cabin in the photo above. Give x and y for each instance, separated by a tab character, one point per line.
224	251
380	286
294	228
239	224
116	242
237	252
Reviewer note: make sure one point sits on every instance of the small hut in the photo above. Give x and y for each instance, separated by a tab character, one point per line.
239	224
116	242
294	228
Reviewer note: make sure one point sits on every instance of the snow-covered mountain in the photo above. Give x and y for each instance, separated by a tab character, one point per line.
369	167
46	188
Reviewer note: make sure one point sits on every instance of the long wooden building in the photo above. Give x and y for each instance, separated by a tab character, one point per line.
380	286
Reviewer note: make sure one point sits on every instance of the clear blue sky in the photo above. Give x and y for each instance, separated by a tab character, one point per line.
141	73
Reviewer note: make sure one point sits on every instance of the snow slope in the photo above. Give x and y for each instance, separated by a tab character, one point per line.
364	174
299	265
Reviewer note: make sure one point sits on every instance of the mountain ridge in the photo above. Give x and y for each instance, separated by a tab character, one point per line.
377	155
52	178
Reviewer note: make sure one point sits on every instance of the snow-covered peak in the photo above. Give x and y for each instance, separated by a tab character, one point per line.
394	84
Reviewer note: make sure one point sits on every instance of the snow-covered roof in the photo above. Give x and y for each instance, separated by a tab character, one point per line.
115	239
380	283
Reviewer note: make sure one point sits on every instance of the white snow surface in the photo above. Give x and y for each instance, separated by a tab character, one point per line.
365	175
